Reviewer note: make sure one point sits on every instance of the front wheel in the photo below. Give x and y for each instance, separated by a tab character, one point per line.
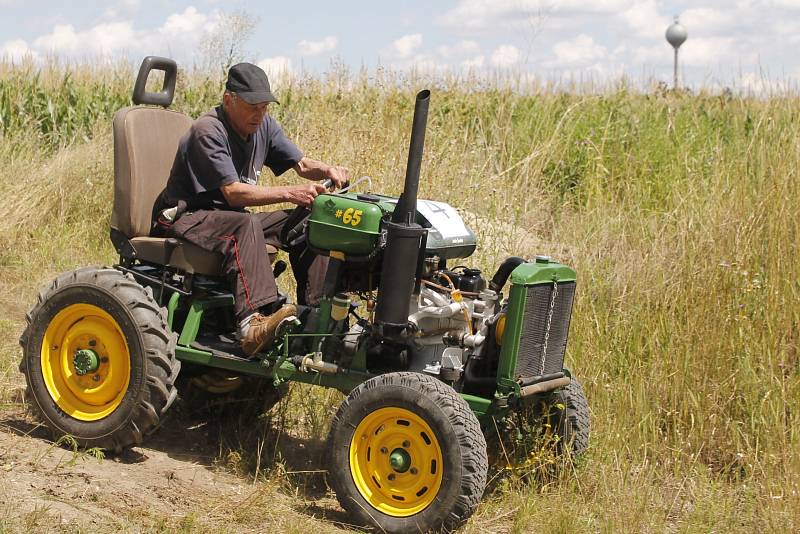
569	417
407	454
99	359
531	437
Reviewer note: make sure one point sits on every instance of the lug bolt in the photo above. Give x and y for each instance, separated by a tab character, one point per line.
96	378
406	444
414	471
391	476
92	343
384	450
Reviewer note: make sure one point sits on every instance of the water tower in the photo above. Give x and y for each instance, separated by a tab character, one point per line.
676	35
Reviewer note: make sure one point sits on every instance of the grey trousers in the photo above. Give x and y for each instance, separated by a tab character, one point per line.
242	238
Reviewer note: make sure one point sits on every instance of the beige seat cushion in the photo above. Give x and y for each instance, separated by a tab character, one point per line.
185	256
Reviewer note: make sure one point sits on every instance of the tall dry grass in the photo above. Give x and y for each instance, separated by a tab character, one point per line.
679	211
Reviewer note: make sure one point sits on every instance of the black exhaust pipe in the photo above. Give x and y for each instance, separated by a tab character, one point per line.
404	237
406	209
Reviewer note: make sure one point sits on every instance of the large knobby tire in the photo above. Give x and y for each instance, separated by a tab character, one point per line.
99	359
569	418
407	455
528	440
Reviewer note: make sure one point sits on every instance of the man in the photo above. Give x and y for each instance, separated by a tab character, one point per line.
214	177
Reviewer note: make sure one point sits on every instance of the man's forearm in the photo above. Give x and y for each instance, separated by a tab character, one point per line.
311	169
241	195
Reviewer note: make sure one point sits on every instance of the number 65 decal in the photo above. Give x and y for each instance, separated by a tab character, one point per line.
352	216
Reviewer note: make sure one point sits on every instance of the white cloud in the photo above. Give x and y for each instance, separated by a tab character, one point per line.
709	20
180	32
472	16
313	48
63	38
711	52
474	63
278	68
189	22
405	45
427	66
582	49
104	39
17	50
123	7
759	84
656	54
788	4
460	49
505	56
644	19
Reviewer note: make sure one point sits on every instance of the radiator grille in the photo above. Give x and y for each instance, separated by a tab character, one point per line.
534	326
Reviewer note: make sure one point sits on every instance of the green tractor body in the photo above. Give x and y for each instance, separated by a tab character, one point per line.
427	354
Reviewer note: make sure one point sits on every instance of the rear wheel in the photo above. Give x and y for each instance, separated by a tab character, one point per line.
99	359
408	454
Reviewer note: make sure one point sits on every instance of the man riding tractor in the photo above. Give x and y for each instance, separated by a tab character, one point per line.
215	177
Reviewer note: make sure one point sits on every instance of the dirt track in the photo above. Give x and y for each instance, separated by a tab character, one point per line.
170	483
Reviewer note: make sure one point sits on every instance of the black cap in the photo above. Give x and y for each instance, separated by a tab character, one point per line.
249	82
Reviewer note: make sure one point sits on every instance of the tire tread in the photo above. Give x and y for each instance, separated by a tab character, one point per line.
158	346
467	430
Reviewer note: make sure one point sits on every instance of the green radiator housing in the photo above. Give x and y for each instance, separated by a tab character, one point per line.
537	321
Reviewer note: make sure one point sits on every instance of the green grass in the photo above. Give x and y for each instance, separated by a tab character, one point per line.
680	213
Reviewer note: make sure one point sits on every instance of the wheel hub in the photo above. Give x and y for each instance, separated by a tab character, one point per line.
400	460
85	361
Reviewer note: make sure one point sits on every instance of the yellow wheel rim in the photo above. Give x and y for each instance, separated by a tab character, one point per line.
93	394
396	462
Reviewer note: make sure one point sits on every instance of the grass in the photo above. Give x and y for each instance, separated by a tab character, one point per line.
679	211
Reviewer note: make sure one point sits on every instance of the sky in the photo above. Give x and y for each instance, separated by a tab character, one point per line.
742	44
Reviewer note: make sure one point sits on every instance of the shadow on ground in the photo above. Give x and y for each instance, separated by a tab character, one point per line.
230	435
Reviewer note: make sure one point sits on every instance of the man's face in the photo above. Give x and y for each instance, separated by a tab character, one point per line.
245	118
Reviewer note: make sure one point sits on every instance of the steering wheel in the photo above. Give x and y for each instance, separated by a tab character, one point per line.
293	234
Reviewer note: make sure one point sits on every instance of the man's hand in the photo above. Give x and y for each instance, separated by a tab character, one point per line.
312	169
304	195
339	175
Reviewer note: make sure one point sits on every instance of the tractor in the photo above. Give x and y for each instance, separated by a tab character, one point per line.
431	356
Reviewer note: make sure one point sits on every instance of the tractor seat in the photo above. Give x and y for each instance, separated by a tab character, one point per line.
186	256
145	142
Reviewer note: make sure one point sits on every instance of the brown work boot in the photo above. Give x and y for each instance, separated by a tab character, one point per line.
262	329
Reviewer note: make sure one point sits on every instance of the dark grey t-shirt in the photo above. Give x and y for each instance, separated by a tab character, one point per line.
211	154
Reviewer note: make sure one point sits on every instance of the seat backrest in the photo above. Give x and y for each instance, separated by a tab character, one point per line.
145	143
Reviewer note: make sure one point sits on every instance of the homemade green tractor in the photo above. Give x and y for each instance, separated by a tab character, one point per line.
430	356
